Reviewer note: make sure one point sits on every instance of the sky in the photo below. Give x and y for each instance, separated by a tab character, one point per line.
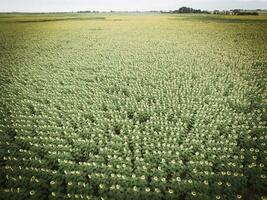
125	5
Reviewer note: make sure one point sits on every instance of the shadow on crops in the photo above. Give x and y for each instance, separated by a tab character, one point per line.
118	20
60	19
219	19
5	16
95	29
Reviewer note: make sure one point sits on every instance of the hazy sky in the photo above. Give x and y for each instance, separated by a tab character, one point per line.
107	5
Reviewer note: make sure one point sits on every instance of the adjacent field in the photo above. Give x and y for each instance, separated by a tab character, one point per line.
133	107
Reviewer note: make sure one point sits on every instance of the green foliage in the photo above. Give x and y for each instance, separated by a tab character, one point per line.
132	107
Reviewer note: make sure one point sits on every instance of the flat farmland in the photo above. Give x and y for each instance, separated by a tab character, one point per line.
133	106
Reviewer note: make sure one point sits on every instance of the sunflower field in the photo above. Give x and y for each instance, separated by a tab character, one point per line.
133	106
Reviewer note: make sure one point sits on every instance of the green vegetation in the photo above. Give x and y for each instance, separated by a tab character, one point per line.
116	106
237	12
189	10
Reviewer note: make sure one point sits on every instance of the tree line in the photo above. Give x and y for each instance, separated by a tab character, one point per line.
218	12
188	10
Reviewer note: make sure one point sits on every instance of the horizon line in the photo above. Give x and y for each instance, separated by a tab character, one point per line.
130	11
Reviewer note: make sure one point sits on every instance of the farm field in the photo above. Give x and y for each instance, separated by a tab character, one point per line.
133	106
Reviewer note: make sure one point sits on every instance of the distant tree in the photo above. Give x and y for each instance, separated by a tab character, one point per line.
235	11
85	11
188	10
247	13
216	12
243	12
